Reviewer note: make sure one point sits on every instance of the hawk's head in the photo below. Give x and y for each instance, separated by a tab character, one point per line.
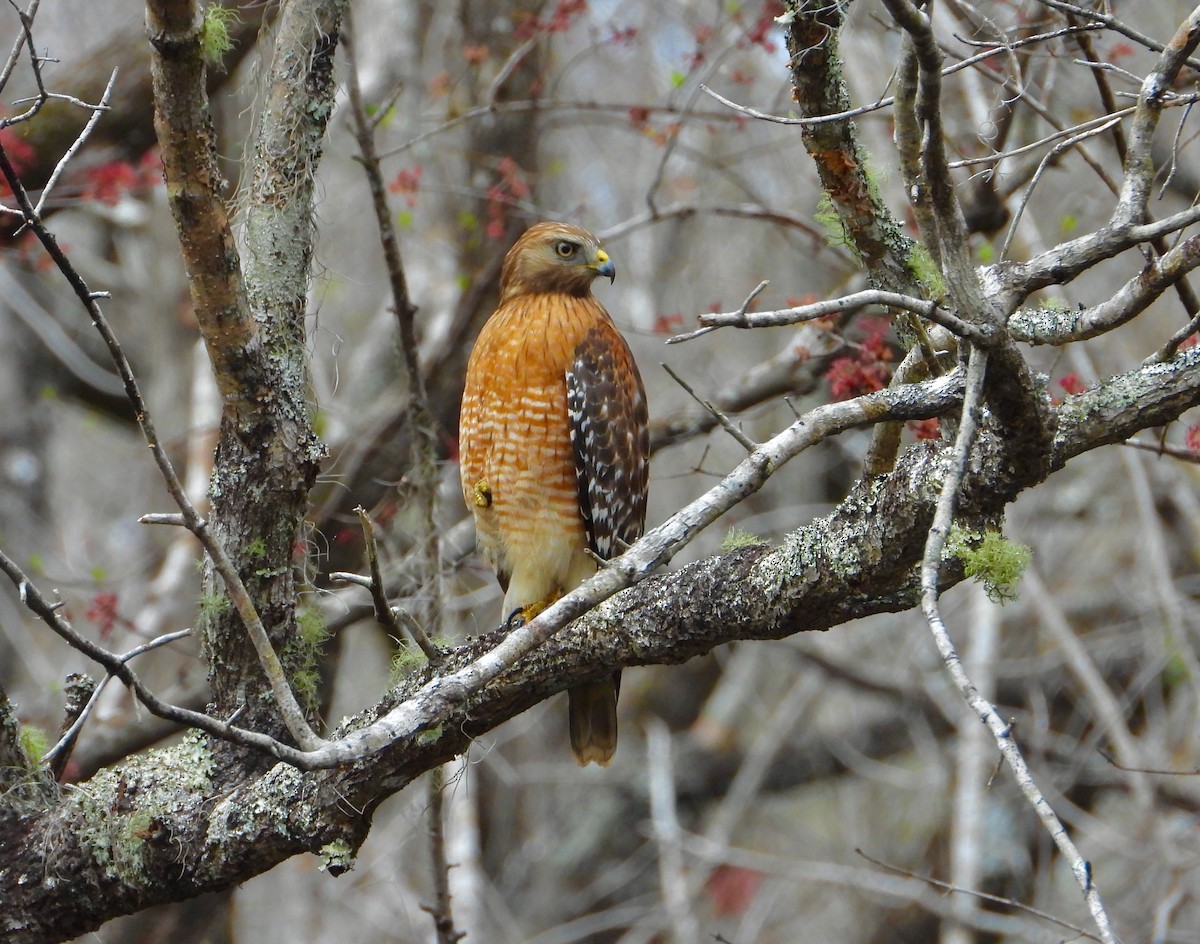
554	257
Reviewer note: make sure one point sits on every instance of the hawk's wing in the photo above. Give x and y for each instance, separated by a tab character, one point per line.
608	417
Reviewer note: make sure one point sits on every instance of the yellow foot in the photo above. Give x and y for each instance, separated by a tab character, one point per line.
523	614
481	494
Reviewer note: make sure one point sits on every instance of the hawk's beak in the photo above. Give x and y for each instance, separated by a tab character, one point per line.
604	266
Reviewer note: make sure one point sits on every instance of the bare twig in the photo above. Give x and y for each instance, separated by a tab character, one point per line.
97	112
443	917
890	100
1001	730
57	756
1135	189
726	423
737	315
1108	21
384	613
682	211
26	17
984	896
926	308
797	368
1047	159
667	834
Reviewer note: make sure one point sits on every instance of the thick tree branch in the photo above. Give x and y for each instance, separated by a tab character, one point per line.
1050	326
820	92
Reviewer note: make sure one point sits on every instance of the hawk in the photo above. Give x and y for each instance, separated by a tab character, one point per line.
553	442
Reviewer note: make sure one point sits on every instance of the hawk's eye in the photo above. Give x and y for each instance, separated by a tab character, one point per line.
565	249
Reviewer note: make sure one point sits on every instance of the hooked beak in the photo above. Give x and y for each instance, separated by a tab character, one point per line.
604	266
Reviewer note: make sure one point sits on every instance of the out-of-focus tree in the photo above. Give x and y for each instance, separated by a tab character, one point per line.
971	230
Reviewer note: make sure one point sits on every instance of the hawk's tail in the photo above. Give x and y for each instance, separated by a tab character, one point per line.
592	712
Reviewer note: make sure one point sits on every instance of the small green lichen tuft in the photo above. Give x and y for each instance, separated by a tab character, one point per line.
214	33
429	736
992	559
34	742
831	221
336	857
407	658
213	604
922	268
738	538
303	652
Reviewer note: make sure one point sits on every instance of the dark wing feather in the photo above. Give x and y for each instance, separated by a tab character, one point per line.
609	420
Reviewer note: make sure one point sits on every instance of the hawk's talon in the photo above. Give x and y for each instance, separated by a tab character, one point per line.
516	619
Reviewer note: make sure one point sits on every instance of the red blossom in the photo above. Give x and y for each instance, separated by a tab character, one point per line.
564	12
150	168
732	889
475	53
103	611
1190	341
529	25
1192	438
1072	384
758	34
1120	51
639	115
926	429
407	182
668	324
874	342
513	177
440	85
623	36
868	368
850	377
21	154
110	181
512	187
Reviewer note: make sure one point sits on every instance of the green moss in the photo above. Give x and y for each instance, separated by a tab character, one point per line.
831	221
213	604
739	538
34	742
922	268
992	559
303	654
214	33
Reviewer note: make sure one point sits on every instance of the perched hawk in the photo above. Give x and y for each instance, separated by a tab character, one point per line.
553	442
